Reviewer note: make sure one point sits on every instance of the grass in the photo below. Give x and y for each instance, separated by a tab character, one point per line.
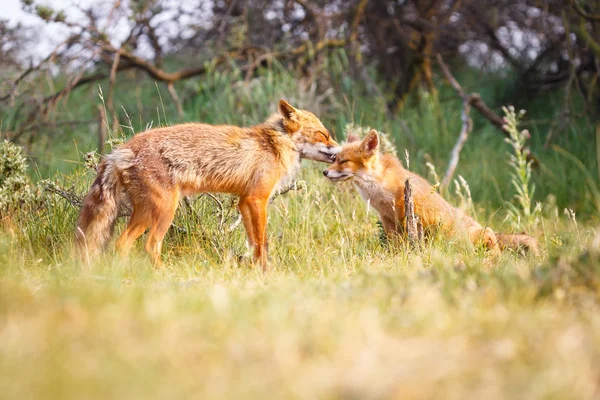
341	314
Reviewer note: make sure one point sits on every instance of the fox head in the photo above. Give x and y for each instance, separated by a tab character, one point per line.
356	158
311	138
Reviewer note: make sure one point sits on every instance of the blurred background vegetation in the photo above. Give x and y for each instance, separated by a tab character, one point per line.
122	66
342	313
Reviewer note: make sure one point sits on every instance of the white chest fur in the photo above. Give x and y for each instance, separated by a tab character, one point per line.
289	177
376	195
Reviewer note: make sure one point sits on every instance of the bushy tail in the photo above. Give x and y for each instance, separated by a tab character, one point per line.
499	241
479	234
101	205
518	242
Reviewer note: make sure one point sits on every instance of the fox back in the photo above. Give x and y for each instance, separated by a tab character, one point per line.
155	168
204	158
380	178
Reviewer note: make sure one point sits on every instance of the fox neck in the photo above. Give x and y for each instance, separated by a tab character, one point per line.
275	123
372	188
287	152
374	173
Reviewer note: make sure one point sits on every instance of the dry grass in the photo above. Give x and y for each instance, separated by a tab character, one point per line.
340	315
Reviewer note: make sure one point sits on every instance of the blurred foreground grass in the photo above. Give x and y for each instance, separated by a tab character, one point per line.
341	314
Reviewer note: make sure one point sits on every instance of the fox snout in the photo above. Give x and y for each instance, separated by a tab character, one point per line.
335	175
319	152
332	153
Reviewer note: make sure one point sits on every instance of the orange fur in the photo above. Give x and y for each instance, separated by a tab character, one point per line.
380	179
155	168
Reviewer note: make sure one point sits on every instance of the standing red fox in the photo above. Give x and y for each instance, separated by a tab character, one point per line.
155	168
380	179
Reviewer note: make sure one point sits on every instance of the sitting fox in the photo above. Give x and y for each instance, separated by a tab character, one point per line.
155	168
380	179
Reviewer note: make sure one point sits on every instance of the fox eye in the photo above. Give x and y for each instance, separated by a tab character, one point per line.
325	135
342	161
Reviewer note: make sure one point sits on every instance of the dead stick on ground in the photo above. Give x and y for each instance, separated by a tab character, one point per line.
77	201
413	229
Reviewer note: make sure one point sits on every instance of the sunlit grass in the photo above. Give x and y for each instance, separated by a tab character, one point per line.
341	313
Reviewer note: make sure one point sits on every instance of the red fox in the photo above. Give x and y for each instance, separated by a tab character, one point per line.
380	179
155	168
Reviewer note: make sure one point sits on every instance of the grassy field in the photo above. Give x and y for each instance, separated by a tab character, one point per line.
342	313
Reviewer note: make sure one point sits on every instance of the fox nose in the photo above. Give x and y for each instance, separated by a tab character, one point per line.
325	172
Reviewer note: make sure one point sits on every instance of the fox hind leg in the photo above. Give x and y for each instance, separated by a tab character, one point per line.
244	208
390	226
163	212
138	223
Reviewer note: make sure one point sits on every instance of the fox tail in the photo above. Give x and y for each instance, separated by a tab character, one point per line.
518	242
101	205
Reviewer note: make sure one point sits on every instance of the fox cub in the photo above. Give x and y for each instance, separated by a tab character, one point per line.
155	168
380	179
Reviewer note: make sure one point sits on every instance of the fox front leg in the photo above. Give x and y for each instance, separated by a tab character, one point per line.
254	216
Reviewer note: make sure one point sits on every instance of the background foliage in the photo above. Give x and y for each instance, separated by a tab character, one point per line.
343	313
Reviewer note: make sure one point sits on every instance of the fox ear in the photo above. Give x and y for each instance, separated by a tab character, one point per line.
352	138
286	109
370	143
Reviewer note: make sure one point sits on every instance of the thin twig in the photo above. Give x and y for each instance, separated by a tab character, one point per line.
102	129
233	226
562	120
175	97
296	185
221	208
76	200
68	194
581	11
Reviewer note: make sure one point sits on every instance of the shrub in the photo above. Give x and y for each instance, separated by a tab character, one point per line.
16	189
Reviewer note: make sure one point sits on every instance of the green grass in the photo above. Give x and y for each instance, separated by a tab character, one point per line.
340	314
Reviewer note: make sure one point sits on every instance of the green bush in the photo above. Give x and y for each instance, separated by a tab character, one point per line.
16	189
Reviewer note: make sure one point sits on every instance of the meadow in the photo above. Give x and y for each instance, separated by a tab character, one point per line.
342	314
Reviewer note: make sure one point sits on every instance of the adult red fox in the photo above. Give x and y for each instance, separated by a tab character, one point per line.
380	179
155	168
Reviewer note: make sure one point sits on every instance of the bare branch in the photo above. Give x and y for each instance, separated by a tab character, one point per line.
583	13
587	38
474	100
68	194
296	185
467	126
312	10
33	68
111	89
175	97
453	82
